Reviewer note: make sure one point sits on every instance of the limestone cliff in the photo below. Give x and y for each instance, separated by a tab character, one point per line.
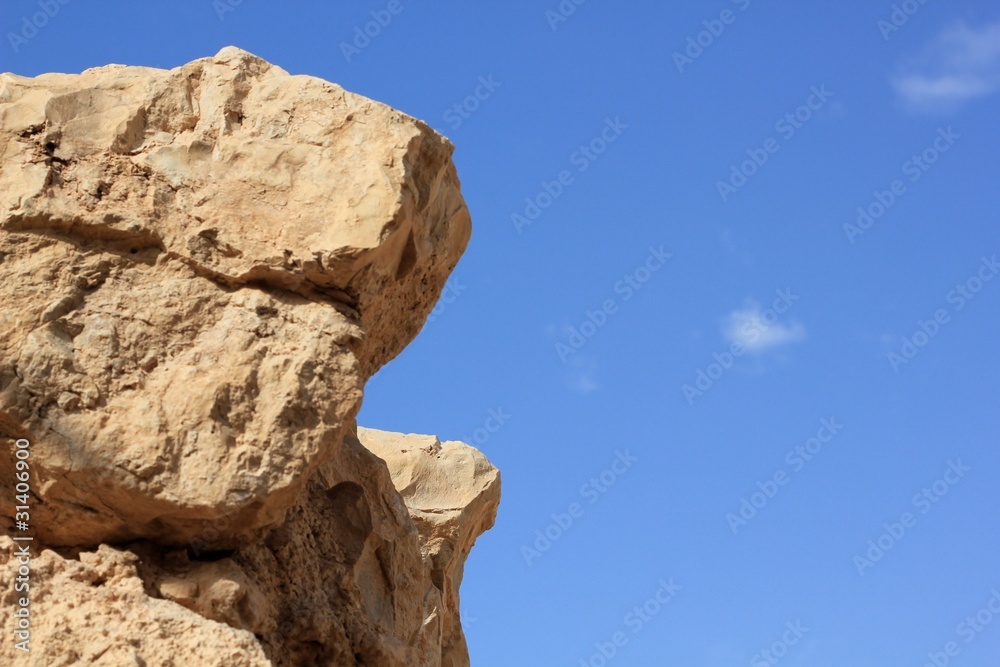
200	268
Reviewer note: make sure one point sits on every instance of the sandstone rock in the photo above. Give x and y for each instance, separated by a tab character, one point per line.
94	610
348	579
199	269
452	493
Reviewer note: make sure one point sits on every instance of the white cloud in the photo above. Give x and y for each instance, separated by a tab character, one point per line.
758	330
959	65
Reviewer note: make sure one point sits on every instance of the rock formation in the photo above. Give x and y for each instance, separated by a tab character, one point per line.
200	268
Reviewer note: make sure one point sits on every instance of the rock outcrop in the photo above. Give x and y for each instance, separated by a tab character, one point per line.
451	492
199	270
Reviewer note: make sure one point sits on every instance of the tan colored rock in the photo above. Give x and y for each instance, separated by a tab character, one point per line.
199	269
95	611
349	579
452	493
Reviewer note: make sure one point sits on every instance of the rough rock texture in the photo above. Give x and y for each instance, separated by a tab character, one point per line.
201	267
94	610
349	579
451	491
199	270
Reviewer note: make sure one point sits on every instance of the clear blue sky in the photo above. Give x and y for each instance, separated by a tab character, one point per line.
673	129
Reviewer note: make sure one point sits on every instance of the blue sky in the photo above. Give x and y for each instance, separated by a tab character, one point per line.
722	252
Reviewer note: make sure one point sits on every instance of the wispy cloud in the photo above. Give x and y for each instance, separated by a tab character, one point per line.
960	64
758	330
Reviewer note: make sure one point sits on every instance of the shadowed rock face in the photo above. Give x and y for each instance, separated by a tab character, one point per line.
452	492
361	572
199	270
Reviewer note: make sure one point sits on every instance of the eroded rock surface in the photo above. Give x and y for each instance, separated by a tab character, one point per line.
199	270
94	610
452	492
363	572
